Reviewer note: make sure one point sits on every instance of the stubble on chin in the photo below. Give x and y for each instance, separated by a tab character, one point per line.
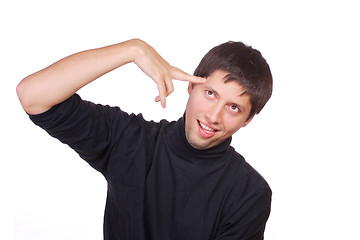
197	143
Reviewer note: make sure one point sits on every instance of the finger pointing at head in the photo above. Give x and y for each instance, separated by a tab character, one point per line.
178	74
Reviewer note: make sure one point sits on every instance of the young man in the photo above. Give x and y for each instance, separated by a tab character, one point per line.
166	180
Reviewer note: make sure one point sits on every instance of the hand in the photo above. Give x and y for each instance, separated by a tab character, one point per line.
153	65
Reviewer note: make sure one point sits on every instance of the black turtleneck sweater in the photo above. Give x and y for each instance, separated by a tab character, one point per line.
159	187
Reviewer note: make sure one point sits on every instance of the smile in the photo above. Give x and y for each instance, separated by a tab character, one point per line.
206	131
206	127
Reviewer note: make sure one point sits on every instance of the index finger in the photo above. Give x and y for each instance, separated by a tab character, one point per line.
180	75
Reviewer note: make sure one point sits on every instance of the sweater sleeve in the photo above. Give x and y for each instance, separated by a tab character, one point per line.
90	129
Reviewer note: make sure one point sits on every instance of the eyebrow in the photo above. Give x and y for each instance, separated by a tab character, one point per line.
242	107
245	91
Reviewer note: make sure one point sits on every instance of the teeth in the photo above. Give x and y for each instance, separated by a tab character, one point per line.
206	127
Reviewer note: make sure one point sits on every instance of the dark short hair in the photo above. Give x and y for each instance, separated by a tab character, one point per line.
243	64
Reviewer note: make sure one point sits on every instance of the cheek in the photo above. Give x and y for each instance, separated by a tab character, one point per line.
196	103
231	125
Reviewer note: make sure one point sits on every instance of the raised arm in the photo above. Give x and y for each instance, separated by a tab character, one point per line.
41	90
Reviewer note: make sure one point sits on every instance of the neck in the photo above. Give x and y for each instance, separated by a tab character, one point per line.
177	141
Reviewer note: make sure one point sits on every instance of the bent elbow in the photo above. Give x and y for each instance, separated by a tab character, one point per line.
21	91
28	97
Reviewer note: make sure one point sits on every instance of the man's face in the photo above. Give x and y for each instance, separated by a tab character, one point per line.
215	111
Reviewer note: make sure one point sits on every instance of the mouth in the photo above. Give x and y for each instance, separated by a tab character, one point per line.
205	130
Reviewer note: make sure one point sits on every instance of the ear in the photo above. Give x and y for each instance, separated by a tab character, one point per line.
247	122
190	87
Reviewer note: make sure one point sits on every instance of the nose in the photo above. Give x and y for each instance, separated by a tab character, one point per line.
214	114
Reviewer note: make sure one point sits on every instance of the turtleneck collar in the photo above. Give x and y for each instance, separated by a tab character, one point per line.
176	140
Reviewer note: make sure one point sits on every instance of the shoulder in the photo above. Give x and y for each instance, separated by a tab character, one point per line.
86	115
246	176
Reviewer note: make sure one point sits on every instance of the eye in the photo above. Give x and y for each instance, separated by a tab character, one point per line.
234	108
209	93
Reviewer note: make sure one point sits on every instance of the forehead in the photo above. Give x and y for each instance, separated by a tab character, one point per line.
218	79
231	91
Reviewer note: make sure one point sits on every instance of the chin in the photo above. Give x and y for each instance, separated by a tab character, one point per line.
200	144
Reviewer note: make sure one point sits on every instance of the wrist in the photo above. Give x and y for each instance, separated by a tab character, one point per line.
139	49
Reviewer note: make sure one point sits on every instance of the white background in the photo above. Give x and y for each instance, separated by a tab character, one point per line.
305	142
